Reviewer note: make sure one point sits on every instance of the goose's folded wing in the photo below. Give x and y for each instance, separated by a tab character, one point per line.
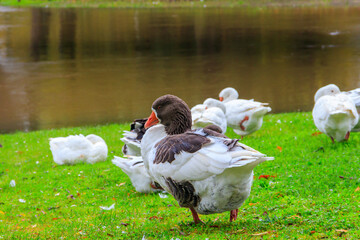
355	96
129	134
244	106
129	163
321	109
189	157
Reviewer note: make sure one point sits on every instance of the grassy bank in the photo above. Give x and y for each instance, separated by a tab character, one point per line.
313	190
175	4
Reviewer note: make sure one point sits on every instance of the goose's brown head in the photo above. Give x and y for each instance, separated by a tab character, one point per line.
172	112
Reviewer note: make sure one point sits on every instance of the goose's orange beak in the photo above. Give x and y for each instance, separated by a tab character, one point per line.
152	120
221	99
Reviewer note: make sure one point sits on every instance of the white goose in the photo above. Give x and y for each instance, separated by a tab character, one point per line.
204	170
355	96
133	138
244	116
334	113
133	166
211	112
77	148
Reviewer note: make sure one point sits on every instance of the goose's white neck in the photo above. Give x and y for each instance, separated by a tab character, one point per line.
152	136
228	94
330	89
210	102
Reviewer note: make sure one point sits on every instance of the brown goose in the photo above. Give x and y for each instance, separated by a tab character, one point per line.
204	170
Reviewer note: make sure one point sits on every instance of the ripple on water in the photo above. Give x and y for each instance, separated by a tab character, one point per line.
9	9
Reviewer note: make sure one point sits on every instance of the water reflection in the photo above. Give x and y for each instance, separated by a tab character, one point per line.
86	66
39	34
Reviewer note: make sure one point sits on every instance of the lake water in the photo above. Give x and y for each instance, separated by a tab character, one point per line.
71	67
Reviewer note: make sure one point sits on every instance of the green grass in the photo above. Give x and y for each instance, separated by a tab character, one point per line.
312	193
172	3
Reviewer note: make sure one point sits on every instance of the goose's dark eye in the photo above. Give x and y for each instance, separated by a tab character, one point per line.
158	107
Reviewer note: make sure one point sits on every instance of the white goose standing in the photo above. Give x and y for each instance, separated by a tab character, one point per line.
211	112
244	116
204	170
334	113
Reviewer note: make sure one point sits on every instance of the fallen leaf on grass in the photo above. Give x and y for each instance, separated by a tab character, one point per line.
108	208
1	212
316	133
124	224
252	204
55	219
295	216
312	232
155	217
120	184
279	148
266	176
357	189
341	230
261	234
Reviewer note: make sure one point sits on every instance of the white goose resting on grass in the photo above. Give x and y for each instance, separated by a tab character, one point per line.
204	170
77	148
211	112
244	116
334	113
